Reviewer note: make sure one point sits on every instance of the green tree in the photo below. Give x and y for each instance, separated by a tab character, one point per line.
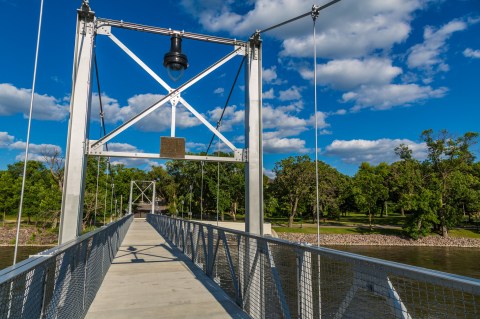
447	156
369	189
293	182
405	180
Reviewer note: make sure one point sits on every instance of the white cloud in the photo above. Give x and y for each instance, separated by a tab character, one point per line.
351	73
387	96
218	146
129	162
280	125
231	117
15	100
269	75
321	120
158	121
195	147
35	148
428	54
293	106
282	145
270	94
347	29
325	132
219	91
373	151
355	29
5	139
285	124
469	53
270	174
292	93
239	139
36	152
122	147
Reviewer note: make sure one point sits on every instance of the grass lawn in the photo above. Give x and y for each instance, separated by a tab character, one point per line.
464	233
339	230
352	219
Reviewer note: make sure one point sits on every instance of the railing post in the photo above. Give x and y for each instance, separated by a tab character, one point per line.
304	284
209	257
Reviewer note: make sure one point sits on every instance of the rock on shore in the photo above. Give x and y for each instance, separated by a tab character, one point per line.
380	240
27	236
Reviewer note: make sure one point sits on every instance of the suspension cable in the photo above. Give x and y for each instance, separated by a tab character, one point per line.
226	104
102	114
22	192
106	195
96	192
315	10
201	193
218	177
103	128
98	157
314	16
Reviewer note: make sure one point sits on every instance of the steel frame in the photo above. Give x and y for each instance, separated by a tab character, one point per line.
79	146
145	186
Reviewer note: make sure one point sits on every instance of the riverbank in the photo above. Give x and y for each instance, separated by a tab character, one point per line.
29	236
380	240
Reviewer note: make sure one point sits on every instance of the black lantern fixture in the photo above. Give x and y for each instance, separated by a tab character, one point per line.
175	61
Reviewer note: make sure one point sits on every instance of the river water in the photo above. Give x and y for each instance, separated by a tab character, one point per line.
460	261
6	254
455	260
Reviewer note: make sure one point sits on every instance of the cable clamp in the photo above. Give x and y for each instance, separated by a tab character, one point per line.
315	12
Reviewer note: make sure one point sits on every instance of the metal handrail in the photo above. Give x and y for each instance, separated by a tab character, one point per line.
307	280
62	281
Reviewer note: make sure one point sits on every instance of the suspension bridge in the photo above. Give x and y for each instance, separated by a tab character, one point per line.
167	267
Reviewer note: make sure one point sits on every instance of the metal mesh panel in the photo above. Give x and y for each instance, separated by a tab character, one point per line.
272	278
61	282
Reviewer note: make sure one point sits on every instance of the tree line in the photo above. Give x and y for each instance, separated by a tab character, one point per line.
434	194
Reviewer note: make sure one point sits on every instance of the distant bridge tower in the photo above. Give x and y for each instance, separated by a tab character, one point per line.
143	193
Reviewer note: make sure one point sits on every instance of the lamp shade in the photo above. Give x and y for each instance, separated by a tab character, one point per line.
175	61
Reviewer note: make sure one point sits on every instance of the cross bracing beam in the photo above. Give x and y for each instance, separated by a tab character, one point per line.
173	93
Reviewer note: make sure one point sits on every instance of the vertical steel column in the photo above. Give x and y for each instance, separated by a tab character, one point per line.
153	198
131	198
254	178
253	138
75	159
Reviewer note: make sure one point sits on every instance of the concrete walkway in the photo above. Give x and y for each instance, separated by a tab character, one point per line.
149	280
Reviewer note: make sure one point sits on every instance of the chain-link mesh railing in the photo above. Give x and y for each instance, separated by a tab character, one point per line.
61	282
273	278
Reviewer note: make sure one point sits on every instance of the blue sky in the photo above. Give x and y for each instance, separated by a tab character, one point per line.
386	71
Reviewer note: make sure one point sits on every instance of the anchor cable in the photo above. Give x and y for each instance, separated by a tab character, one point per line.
314	16
226	104
103	128
315	10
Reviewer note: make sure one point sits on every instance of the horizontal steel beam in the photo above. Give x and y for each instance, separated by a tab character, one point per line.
97	151
163	31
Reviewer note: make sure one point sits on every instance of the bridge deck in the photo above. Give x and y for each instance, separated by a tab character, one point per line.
149	280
